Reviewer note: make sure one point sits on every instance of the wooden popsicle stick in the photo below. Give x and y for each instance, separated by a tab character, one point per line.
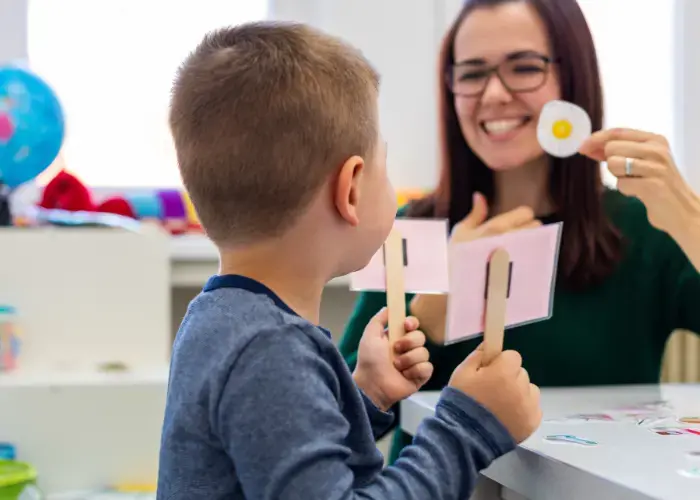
496	298
395	292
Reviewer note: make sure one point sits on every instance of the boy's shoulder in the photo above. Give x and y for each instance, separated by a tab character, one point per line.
220	326
240	365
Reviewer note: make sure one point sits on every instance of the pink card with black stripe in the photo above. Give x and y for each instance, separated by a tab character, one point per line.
425	259
533	254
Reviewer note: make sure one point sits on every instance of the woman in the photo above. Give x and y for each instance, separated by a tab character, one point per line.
628	269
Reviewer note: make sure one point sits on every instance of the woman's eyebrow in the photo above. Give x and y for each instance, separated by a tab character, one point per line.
519	54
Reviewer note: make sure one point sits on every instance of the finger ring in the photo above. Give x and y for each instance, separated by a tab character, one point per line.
628	167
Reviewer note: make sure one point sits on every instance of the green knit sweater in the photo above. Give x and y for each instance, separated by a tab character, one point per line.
614	333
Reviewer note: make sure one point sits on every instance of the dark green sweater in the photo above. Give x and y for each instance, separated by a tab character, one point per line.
614	333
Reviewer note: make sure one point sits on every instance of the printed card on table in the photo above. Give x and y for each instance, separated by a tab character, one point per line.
425	259
534	254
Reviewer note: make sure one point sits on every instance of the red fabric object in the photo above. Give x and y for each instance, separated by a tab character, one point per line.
194	228
66	192
176	226
116	205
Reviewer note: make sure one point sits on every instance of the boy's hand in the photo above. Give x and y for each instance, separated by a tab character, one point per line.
504	388
387	379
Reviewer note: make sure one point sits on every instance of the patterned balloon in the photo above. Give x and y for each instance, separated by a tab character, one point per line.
32	126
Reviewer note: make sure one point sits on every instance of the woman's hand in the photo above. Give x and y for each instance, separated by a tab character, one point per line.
431	309
475	226
644	167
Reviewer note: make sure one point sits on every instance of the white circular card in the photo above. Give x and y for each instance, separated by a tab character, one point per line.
562	128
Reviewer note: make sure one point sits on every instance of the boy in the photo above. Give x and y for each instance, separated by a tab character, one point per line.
276	131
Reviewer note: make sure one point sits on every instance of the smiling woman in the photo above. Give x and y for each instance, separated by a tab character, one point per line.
504	136
490	141
623	285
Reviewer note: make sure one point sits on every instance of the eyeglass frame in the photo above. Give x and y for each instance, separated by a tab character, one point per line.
494	69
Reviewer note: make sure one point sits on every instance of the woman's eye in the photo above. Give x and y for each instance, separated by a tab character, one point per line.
473	75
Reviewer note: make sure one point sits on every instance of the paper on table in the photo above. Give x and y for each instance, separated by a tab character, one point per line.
534	255
425	260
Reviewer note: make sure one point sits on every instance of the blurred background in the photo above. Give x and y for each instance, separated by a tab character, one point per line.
98	311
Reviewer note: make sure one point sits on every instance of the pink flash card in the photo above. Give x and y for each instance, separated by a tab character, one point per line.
425	259
534	254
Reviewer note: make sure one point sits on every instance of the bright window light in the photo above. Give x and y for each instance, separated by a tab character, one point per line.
636	59
112	64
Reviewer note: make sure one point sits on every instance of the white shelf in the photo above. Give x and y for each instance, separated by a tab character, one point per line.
193	248
85	431
194	259
24	380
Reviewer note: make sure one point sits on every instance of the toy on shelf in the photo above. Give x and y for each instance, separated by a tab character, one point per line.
403	196
67	200
135	488
7	451
9	339
31	131
170	207
126	491
104	495
18	481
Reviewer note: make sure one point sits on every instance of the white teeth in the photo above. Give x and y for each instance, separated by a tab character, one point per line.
501	126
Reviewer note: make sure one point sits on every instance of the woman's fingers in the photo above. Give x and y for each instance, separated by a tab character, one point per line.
515	219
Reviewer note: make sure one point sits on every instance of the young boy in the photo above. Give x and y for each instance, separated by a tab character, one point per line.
276	131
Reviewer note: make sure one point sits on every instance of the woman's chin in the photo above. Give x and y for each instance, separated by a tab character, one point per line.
499	163
504	166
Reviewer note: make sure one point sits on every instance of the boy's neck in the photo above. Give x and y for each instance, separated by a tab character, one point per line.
295	280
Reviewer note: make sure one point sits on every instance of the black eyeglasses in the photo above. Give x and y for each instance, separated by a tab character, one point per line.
520	72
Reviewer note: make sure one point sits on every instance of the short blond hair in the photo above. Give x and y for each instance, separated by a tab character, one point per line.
261	114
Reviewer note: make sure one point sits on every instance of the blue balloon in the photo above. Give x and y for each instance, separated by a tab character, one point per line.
32	126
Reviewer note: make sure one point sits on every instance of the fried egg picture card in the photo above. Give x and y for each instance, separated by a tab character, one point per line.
562	128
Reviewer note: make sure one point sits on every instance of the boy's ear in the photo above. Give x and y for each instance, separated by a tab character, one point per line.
347	189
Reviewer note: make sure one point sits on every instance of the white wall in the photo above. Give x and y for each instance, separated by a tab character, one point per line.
401	37
687	84
13	30
405	51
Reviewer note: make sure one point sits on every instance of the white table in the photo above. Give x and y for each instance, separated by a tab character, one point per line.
630	462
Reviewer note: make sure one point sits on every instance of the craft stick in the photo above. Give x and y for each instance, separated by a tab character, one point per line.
496	297
395	293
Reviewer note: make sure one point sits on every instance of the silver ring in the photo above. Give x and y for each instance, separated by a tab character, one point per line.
628	167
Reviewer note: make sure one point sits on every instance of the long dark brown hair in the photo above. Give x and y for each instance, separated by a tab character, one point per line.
591	245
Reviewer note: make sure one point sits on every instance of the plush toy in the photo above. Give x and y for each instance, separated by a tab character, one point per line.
116	205
171	207
66	192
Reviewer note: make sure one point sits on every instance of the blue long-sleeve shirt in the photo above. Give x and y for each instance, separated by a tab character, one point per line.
261	405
